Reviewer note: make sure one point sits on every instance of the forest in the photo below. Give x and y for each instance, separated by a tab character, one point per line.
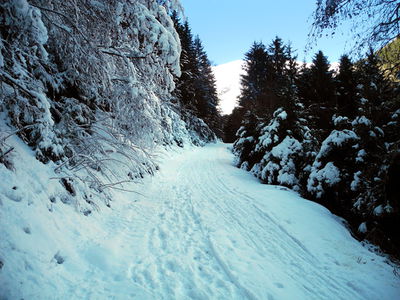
331	135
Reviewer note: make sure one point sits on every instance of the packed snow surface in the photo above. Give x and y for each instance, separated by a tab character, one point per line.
227	77
199	229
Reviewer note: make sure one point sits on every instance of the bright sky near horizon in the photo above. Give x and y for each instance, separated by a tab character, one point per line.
229	27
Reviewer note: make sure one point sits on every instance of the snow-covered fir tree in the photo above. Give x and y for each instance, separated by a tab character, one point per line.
195	88
90	85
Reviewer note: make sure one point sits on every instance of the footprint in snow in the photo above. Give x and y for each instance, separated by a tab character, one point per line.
279	285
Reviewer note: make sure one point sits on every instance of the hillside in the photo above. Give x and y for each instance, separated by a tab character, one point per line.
390	55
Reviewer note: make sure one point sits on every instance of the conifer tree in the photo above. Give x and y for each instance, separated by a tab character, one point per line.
232	124
206	98
303	84
322	81
282	73
374	89
278	58
346	84
271	97
253	81
247	140
196	88
185	90
291	90
317	91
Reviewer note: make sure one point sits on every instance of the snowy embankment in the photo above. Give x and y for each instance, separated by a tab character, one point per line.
199	229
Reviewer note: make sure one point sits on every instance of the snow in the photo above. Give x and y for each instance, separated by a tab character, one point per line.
356	181
283	153
282	115
379	130
360	155
269	133
329	175
378	210
199	229
339	120
227	77
336	138
245	166
363	227
361	120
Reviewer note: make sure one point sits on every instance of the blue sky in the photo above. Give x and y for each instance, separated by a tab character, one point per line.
229	27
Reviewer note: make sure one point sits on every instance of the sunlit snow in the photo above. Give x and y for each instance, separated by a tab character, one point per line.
228	84
199	229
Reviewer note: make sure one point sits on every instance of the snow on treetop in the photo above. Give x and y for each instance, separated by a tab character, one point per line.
336	138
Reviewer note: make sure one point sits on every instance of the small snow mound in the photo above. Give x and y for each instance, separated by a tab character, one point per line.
363	227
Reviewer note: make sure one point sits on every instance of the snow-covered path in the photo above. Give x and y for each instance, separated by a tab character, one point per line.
203	229
219	234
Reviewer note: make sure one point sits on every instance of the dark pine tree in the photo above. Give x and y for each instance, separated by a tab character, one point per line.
278	57
185	90
374	89
206	97
322	81
289	88
271	96
317	92
232	123
196	88
253	81
346	85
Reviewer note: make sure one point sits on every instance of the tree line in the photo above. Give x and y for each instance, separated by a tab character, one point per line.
331	135
196	88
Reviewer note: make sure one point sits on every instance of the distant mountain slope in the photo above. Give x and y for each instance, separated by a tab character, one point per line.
228	84
390	56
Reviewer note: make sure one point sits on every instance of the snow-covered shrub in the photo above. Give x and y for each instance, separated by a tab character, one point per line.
281	166
278	152
6	152
350	165
282	146
328	169
25	72
370	166
244	146
199	131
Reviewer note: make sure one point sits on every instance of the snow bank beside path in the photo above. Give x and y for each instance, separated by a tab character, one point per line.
199	229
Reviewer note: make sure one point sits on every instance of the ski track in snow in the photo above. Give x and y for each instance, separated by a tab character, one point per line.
184	259
203	229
